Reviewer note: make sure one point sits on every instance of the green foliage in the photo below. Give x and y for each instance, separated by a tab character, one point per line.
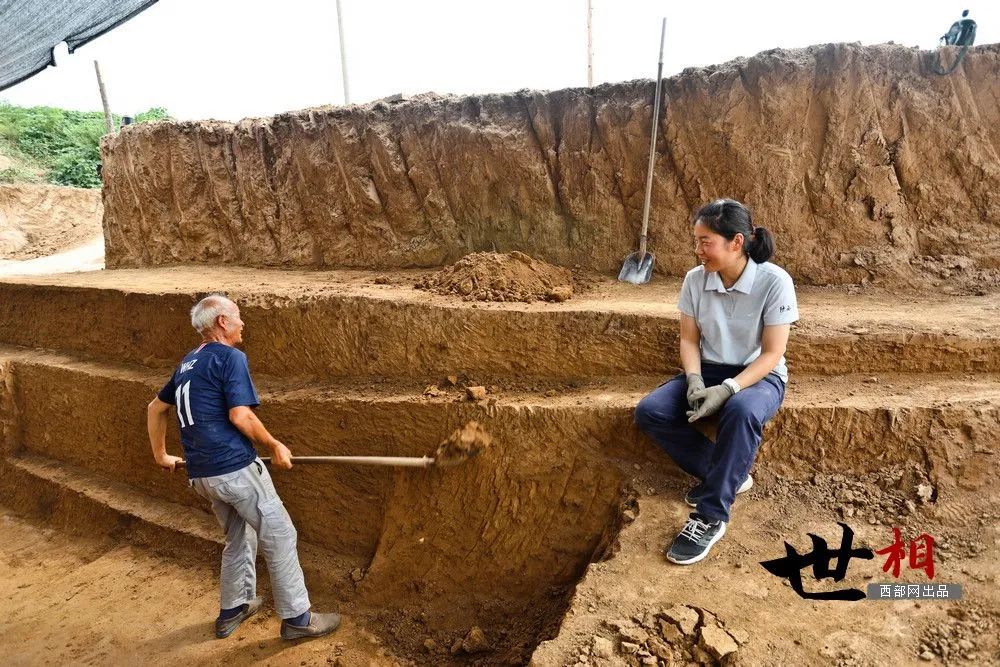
156	113
77	166
65	144
18	174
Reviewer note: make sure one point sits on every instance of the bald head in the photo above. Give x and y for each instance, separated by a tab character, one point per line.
206	312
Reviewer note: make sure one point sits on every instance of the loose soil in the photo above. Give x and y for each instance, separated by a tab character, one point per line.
68	599
462	445
636	608
490	276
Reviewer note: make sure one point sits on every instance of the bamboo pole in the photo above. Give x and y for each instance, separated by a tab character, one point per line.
590	43
108	122
343	53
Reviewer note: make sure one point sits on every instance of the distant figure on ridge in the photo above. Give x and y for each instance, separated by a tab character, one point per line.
961	33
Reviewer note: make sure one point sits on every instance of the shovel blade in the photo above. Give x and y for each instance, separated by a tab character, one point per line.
637	268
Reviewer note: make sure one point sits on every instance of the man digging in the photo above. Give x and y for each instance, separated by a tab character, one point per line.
213	395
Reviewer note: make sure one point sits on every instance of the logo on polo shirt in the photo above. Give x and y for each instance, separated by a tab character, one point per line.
784	309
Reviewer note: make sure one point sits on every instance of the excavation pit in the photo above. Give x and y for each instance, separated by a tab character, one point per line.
545	547
505	541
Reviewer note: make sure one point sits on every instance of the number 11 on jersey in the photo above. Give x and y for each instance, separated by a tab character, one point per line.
183	398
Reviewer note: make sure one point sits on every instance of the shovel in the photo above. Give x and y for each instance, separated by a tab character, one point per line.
638	267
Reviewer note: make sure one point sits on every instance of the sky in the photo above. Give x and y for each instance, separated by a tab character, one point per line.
232	59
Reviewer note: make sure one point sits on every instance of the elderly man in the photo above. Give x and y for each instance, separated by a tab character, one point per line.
213	395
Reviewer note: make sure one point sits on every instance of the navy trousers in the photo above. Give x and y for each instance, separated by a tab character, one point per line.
721	467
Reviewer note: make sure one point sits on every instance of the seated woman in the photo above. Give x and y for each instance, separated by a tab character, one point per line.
736	311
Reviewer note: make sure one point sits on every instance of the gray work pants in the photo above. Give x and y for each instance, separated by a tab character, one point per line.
251	513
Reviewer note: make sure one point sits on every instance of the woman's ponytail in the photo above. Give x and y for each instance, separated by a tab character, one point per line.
760	246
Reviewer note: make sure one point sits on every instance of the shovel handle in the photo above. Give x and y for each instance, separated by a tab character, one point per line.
394	461
652	145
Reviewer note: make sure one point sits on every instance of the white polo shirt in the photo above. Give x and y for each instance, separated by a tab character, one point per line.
733	320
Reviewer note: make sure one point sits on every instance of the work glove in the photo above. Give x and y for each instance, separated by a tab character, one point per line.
695	383
712	400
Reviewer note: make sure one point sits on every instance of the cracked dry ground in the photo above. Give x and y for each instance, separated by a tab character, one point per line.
546	547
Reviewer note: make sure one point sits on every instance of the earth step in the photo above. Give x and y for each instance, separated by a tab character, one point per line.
342	323
81	501
857	422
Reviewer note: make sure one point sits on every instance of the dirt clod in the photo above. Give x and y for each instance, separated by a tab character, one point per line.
475	641
490	276
603	648
717	642
684	617
463	444
475	393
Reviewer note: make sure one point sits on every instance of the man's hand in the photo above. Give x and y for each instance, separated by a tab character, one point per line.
695	383
168	462
712	400
281	456
244	419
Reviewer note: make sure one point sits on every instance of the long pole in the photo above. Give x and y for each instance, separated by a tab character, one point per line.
343	53
393	461
652	144
108	122
590	43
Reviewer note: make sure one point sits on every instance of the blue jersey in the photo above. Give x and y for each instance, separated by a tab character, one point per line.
209	381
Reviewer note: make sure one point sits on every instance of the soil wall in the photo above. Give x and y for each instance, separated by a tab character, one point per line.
864	166
40	220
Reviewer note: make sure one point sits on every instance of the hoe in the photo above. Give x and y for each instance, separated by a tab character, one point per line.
460	446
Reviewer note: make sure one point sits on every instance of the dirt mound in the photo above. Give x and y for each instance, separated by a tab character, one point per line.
462	445
491	276
41	220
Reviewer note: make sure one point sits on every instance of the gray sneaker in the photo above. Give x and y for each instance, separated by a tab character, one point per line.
319	625
692	496
695	539
227	627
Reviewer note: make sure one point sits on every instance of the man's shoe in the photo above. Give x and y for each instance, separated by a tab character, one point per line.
319	625
225	628
695	539
694	495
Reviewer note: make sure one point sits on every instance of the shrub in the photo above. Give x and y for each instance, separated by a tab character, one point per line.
63	143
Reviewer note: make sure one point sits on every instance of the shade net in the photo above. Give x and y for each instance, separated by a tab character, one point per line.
30	30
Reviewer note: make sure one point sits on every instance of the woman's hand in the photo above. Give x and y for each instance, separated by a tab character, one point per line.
695	383
712	400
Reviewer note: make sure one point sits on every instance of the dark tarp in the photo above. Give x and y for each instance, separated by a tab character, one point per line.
30	30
